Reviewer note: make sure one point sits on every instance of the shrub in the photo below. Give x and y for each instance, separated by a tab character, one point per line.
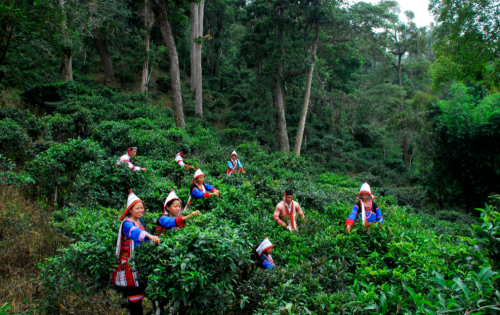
25	119
46	97
10	178
189	272
412	196
125	77
59	165
114	136
367	135
452	229
105	184
13	139
85	266
488	232
62	127
235	137
467	126
455	216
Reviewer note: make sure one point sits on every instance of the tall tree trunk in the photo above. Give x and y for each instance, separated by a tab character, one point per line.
160	13
102	48
10	34
5	49
7	44
148	24
207	49
194	34
406	158
199	76
279	100
331	118
66	69
283	144
307	95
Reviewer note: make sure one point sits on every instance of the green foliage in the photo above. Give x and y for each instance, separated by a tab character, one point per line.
455	216
470	130
462	111
472	292
198	265
460	27
86	265
487	232
4	308
12	138
412	196
70	134
10	178
60	164
113	135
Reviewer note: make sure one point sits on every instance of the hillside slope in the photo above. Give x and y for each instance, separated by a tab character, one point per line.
69	138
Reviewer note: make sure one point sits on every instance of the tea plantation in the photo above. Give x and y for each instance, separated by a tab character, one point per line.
68	138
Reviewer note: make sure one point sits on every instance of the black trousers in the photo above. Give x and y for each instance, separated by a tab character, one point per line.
135	306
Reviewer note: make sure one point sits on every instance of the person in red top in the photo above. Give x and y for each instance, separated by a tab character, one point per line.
287	211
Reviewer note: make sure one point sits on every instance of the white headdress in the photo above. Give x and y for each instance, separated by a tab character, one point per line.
265	245
131	201
171	196
197	174
365	189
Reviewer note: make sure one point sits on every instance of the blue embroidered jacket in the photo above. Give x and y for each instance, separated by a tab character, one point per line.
135	233
371	217
265	262
234	167
165	223
196	193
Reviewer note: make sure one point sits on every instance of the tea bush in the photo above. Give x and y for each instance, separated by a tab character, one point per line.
12	138
488	232
60	164
10	178
198	267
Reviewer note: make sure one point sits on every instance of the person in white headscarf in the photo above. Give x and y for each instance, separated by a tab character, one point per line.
125	159
365	210
264	251
179	159
233	164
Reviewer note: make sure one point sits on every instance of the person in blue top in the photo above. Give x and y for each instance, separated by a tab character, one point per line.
233	164
171	218
199	189
132	233
365	210
264	250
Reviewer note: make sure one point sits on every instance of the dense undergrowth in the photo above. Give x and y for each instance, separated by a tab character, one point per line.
69	137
